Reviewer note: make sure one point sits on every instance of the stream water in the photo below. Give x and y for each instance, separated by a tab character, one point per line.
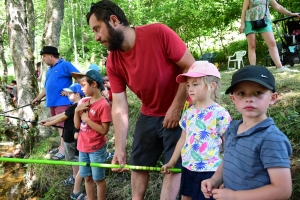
11	175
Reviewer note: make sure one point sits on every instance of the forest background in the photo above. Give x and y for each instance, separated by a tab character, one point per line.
27	25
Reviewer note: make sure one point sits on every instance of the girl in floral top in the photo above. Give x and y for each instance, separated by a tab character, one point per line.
256	10
203	125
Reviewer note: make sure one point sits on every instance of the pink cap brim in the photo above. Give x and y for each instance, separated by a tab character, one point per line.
182	77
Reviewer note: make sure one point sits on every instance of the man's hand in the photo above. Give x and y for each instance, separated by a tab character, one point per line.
36	101
119	158
172	118
64	93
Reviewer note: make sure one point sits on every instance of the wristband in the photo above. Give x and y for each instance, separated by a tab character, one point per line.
77	129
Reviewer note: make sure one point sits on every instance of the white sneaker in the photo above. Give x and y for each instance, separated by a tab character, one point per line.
283	69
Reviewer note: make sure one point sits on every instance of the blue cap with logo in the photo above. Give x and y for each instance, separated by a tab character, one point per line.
75	87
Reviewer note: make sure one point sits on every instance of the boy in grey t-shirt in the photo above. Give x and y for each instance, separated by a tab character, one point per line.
256	159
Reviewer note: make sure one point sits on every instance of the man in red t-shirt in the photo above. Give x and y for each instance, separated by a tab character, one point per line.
146	59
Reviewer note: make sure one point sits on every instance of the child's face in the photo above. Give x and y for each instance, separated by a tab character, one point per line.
197	89
86	87
72	96
252	99
106	84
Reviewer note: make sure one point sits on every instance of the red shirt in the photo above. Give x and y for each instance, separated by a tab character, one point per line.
149	68
89	140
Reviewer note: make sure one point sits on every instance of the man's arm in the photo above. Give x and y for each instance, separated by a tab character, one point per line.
120	122
39	97
173	114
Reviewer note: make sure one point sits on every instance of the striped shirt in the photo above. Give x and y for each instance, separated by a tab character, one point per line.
248	155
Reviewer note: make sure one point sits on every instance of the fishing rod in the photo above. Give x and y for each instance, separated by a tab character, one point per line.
34	122
85	164
20	107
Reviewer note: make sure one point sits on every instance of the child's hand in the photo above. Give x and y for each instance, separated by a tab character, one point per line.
76	135
84	117
47	124
207	186
83	107
222	194
165	168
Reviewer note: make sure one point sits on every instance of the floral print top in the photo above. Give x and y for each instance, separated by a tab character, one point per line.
204	129
257	10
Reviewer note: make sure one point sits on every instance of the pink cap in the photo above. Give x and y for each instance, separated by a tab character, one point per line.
199	69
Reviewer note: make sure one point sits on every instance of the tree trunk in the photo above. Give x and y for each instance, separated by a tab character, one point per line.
53	21
23	60
74	33
31	23
5	99
82	32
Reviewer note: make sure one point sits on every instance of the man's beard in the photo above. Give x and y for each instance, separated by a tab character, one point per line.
115	39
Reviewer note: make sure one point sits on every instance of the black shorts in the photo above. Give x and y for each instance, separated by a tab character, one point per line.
190	184
151	140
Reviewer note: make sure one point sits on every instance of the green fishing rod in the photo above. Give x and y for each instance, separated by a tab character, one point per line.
85	164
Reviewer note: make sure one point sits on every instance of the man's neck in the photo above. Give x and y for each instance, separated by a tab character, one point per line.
129	38
55	61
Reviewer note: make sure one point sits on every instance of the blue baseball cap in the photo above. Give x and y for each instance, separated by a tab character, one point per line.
94	67
75	87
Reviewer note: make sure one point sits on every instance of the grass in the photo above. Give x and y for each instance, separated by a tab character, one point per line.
285	114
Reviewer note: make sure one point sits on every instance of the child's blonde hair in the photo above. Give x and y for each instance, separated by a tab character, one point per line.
215	94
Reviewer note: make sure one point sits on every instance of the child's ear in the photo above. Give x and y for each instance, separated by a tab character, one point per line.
231	97
274	97
213	86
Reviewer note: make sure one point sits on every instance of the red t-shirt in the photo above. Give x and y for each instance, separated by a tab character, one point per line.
109	95
149	68
89	140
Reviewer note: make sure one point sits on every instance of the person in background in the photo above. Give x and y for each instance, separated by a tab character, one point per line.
106	84
93	118
147	60
94	67
14	86
256	10
203	126
38	72
58	77
256	162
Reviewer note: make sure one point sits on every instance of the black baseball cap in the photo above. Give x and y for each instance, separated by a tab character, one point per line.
49	50
254	73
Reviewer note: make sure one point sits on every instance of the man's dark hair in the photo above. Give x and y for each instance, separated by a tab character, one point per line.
55	55
14	81
104	9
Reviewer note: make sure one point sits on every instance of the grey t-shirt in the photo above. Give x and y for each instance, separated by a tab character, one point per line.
248	155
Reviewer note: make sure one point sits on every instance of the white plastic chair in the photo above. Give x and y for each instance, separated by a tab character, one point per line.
236	58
